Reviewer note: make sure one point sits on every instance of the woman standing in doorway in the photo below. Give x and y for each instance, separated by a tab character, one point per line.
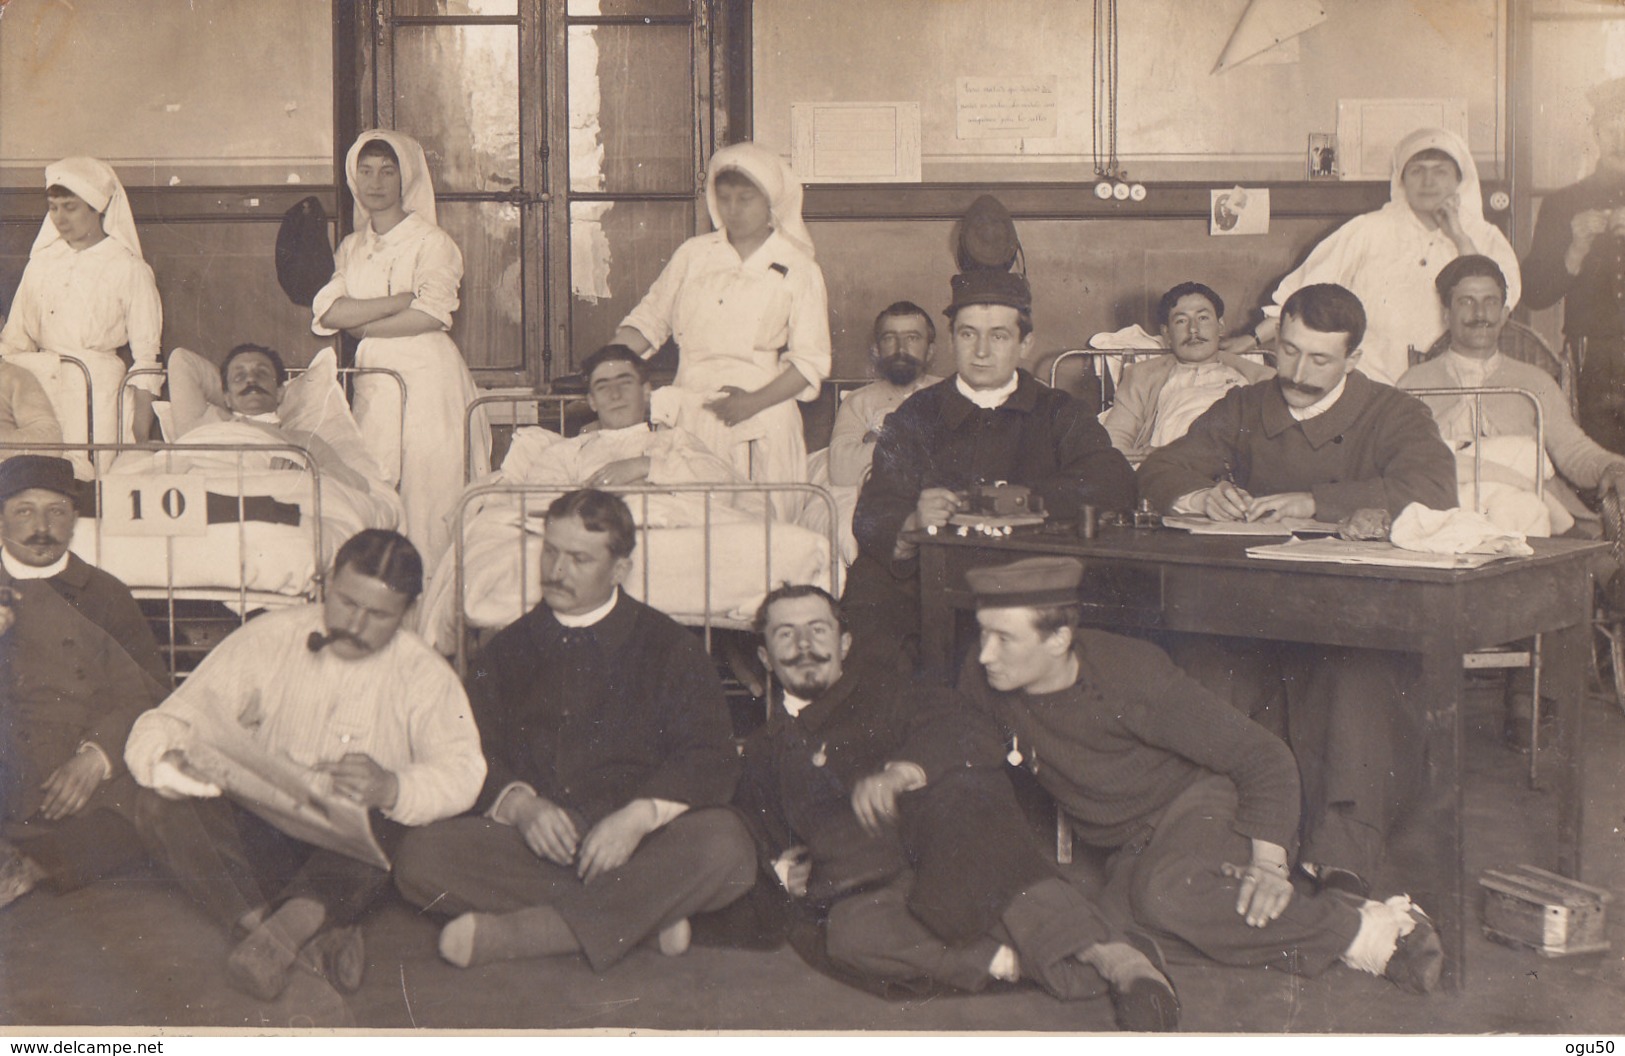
394	286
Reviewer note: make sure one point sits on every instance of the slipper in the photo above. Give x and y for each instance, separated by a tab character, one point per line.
338	955
18	874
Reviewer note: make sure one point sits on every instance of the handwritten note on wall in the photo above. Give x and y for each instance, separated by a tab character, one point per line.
1007	107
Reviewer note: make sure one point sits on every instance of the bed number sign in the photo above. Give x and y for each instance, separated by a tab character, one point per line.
168	504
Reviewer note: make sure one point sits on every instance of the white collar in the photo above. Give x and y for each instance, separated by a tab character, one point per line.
587	619
987	399
268	418
19	570
1320	406
794	704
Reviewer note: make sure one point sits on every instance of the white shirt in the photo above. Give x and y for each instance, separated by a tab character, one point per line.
402	705
794	704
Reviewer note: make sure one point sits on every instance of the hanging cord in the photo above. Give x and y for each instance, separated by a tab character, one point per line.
1104	83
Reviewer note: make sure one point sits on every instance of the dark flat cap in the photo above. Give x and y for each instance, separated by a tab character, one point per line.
989	287
1030	582
21	472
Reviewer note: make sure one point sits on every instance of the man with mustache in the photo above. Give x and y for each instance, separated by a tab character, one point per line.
1159	397
1320	440
603	820
342	688
1472	292
77	665
904	340
944	886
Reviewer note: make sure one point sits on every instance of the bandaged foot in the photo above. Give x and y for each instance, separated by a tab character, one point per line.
479	938
1005	966
674	938
1142	997
1397	940
259	965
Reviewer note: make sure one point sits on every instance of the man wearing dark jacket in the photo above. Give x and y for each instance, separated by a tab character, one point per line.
1320	440
610	760
988	423
949	888
78	664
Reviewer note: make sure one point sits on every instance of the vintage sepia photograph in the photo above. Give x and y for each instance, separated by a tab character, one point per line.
765	517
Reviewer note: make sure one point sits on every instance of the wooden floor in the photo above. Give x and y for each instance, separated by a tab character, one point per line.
132	953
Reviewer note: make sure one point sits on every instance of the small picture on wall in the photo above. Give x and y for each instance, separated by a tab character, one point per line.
1323	156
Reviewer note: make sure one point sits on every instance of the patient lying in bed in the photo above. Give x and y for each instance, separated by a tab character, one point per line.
274	549
623	450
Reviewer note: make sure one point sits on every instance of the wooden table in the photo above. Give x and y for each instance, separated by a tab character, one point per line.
1162	579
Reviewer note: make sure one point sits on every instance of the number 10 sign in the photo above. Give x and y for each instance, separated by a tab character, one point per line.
168	504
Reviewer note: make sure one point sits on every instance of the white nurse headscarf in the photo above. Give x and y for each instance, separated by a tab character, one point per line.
1472	197
95	182
776	179
417	189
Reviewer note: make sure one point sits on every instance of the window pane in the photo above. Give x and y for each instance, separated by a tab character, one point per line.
586	8
631	109
616	251
457	7
487	324
457	93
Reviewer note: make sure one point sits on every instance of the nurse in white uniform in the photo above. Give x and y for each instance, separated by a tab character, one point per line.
394	286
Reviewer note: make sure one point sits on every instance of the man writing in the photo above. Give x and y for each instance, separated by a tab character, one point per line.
600	823
77	665
1197	805
1319	441
941	886
375	716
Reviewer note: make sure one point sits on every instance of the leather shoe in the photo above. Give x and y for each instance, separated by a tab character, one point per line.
1418	958
1147	1006
338	955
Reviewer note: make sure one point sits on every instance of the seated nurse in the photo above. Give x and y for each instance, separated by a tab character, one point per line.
85	293
1390	258
747	307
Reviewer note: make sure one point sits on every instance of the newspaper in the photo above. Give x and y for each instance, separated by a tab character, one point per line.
292	797
1285	527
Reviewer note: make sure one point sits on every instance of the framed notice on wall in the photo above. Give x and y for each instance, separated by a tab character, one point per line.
855	142
1368	130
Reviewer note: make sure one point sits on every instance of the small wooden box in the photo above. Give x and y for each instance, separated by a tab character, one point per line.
1551	914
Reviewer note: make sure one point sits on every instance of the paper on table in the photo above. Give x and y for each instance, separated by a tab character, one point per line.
1347	552
1283	528
287	795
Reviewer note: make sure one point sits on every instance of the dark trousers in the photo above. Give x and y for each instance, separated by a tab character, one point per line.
232	863
701	861
84	847
978	881
1171	883
1352	720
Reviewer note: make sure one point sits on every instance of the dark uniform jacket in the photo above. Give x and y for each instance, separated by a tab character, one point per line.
1376	447
79	664
595	717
